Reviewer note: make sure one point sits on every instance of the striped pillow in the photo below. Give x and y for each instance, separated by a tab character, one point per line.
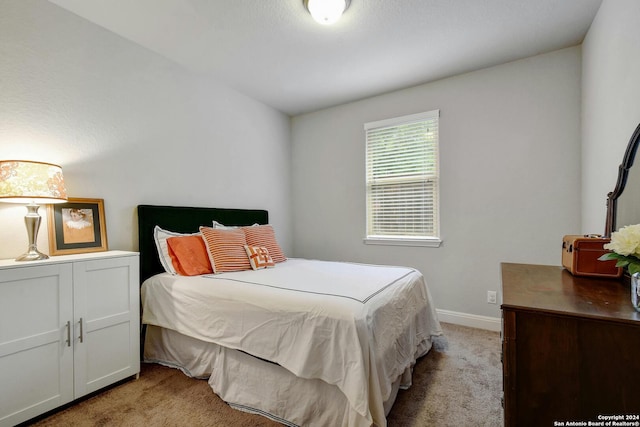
226	249
259	257
263	235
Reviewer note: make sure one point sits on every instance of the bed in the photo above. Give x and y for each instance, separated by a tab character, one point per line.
306	342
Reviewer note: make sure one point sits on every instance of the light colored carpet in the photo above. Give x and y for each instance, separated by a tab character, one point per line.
458	383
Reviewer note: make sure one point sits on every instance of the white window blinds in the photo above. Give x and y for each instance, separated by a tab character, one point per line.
402	177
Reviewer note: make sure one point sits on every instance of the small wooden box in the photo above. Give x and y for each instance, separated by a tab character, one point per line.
580	255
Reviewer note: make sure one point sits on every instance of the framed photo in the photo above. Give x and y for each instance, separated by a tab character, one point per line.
77	226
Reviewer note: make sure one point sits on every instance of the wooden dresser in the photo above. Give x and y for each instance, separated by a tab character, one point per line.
571	347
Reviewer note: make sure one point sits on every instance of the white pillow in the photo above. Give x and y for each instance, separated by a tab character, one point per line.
219	226
160	236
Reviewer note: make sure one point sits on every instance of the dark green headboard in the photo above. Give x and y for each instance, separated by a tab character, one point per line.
183	220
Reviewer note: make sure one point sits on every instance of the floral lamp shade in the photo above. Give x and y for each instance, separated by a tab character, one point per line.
30	183
26	181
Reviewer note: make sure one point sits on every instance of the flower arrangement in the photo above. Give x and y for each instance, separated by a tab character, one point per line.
625	247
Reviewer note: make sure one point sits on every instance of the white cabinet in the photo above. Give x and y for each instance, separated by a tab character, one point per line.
69	326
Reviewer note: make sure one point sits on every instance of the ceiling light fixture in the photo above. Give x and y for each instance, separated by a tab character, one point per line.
326	12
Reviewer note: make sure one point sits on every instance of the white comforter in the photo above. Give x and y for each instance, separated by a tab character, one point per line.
355	326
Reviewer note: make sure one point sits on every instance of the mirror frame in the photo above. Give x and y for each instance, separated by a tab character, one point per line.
623	174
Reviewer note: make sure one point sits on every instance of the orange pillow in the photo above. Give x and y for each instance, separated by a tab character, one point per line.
263	235
226	249
259	257
189	255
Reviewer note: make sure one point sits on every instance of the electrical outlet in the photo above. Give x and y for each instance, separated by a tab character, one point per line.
491	297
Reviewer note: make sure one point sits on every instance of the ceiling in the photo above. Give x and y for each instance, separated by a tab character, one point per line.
273	51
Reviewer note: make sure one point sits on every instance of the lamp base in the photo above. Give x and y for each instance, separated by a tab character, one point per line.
32	221
32	255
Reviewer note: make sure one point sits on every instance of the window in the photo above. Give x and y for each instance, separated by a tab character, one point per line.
402	180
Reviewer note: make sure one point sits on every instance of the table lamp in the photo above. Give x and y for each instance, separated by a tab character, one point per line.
23	181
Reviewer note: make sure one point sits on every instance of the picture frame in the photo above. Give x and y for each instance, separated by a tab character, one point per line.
77	226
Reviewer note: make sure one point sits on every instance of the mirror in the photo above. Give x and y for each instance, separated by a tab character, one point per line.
623	203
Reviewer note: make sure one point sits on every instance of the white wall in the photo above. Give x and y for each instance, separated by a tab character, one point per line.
130	127
610	103
510	176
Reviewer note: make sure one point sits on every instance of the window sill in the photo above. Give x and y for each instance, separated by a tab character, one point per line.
430	243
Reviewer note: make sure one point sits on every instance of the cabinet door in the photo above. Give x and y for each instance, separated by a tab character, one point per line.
106	324
36	355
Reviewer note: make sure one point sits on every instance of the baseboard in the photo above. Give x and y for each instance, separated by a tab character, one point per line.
471	320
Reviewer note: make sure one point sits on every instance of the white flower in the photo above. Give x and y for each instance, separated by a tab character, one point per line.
625	241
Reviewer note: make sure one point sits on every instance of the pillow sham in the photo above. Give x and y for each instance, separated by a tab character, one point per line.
160	237
263	235
225	248
259	257
189	255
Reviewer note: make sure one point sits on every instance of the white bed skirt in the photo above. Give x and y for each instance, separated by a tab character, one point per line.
257	386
